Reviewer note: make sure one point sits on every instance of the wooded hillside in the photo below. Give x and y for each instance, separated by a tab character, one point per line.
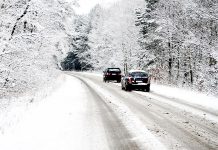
175	40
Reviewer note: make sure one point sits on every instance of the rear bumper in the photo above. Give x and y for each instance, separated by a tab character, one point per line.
139	85
115	77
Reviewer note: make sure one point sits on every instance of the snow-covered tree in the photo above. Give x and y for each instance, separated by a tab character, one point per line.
113	38
176	40
77	58
33	36
181	36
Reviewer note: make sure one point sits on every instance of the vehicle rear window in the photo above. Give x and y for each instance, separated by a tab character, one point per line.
114	70
138	74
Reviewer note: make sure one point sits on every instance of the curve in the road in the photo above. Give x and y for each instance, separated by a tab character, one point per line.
187	131
117	135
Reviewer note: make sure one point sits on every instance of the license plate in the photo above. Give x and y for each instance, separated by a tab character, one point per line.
114	74
138	81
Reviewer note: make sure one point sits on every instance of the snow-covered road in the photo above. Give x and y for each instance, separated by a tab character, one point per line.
85	113
73	117
178	119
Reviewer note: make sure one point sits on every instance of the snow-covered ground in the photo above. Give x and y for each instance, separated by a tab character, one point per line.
131	122
57	122
63	120
69	118
207	101
189	111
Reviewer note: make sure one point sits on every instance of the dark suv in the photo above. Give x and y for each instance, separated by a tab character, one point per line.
136	79
111	74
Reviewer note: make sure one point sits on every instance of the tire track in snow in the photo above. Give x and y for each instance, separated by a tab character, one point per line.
139	134
117	135
188	131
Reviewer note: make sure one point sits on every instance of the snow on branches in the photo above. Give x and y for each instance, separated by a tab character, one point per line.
32	34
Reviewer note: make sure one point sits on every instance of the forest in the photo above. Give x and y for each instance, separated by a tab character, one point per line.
34	36
176	41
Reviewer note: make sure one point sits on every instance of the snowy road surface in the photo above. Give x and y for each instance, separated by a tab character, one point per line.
87	114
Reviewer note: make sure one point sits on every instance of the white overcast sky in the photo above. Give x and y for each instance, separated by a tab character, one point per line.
86	5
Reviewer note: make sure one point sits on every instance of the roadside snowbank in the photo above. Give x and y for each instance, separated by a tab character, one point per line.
60	121
210	102
12	109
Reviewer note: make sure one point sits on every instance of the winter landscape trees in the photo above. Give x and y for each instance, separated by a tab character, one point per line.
176	40
183	37
33	36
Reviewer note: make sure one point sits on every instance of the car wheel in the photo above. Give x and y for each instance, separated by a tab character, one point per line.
148	88
127	88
